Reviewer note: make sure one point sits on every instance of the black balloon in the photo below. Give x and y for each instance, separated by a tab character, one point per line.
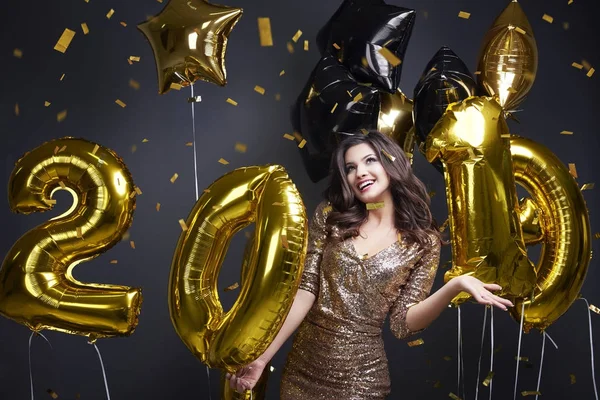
361	28
445	80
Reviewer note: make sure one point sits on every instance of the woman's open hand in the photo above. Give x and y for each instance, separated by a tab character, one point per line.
247	376
482	292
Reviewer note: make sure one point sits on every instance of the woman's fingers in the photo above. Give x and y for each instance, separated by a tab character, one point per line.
492	286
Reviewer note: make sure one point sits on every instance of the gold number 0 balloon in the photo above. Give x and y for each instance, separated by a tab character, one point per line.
37	288
261	194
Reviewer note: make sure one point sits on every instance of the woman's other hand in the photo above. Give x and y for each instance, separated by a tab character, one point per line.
482	292
247	376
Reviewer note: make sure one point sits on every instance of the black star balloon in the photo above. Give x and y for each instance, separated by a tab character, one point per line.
189	40
445	80
360	30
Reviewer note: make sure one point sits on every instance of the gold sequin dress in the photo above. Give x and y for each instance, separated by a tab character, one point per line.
338	352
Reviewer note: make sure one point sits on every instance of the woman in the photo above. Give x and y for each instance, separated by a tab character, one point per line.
373	250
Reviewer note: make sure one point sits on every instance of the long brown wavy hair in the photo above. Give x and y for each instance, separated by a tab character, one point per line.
411	202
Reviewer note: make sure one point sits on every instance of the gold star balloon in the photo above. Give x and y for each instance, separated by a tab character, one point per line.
189	40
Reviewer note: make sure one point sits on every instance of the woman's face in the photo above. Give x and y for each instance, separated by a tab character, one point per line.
365	174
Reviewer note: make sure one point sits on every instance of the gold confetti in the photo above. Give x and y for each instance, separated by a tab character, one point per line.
364	131
520	30
259	89
453	396
417	342
47	103
511	90
388	155
64	41
447	358
277	97
282	72
566	132
96	147
132	244
134	84
61	116
594	309
183	225
573	379
547	18
390	57
526	359
302	143
586	64
85	28
577	65
79	234
375	206
133	148
123	23
223	161
145	140
264	32
297	36
138	191
189	144
17	109
119	102
437	384
306	45
134	58
175	86
477	73
114	261
284	241
231	287
570	2
232	102
337	47
530	393
334	107
590	72
157	206
240	147
587	186
174	177
565	26
464	14
358	97
52	393
62	77
573	170
488	379
290	47
18	53
110	13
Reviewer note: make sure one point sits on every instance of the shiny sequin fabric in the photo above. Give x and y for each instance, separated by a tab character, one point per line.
338	349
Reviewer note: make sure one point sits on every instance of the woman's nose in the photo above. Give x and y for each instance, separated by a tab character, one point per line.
361	170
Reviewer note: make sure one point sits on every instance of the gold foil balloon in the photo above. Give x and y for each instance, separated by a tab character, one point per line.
37	288
263	195
508	58
471	140
395	120
561	223
189	41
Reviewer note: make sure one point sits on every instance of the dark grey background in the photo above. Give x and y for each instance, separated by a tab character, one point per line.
153	363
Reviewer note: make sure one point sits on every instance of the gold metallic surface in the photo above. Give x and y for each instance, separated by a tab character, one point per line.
396	121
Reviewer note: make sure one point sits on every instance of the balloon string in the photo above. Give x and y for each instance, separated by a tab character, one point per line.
194	141
591	346
537	389
552	341
480	352
491	348
30	369
519	350
208	375
103	371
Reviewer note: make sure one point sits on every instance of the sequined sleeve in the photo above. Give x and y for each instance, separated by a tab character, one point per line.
317	234
416	289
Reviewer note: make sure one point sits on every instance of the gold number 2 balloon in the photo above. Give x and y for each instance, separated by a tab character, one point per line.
261	194
37	288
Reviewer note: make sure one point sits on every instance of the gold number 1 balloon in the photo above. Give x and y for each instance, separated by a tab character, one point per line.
263	195
37	288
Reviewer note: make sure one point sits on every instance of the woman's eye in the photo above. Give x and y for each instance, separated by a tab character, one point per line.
371	159
349	169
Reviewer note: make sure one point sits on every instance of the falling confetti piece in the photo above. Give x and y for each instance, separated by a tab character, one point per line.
183	225
587	186
96	147
364	131
145	140
390	57
259	89
240	147
195	99
52	393
464	14
477	73
133	148
388	155
566	132
297	36
302	143
526	359
530	393
437	384
114	261
110	13
189	144
336	46
334	107
157	206
264	32
520	30
134	58
132	244
18	53
134	84
573	379
138	191
306	45
375	206
488	379
85	28
594	309
282	72
64	41
46	103
17	109
547	18
62	77
573	170
119	102
223	161
174	177
417	342
175	86
590	72
453	396
232	102
290	47
565	26
277	97
79	234
358	97
231	287
124	24
577	65
586	64
288	136
61	116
